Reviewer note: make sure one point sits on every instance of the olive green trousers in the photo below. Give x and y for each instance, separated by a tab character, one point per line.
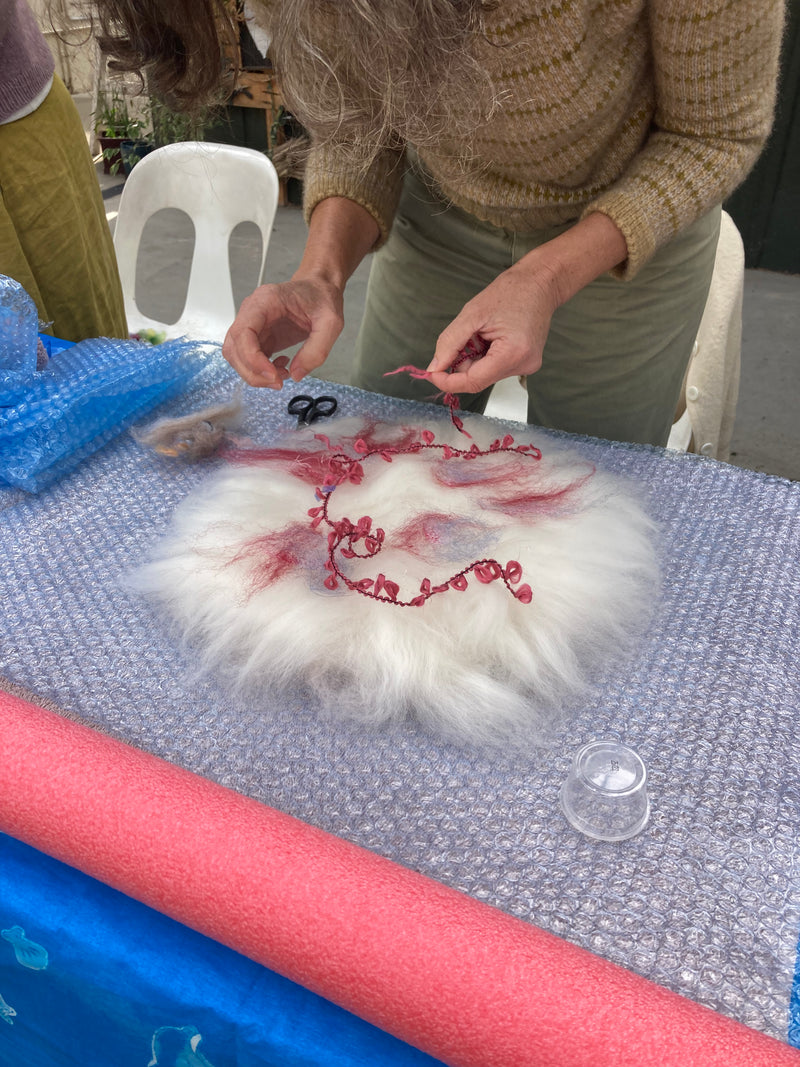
616	354
54	237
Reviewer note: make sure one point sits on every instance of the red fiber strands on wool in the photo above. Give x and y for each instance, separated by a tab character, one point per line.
549	500
505	484
276	554
308	466
434	528
452	475
419	532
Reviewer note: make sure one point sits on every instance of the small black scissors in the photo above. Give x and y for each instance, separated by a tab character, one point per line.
309	408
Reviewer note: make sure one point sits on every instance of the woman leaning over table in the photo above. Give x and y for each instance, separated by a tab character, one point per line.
544	174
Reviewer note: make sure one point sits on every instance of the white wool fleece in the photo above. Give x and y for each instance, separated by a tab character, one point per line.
242	571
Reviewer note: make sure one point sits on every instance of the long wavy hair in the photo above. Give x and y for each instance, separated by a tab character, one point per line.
185	47
368	71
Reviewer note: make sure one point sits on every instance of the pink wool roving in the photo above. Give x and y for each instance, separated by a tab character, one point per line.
394	570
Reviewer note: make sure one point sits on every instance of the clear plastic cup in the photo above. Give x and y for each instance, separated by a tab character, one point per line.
605	794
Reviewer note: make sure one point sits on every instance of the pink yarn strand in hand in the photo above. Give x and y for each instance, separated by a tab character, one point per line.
475	348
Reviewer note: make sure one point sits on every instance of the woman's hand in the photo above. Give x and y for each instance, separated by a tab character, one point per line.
512	314
309	307
274	318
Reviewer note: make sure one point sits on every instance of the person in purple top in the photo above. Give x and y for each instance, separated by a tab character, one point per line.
54	238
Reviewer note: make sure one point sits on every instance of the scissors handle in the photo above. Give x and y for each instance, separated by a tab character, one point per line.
308	408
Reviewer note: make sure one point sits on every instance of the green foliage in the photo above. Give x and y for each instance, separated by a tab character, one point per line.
115	159
113	119
155	122
171	126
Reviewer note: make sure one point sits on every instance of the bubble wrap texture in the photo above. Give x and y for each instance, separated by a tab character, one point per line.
19	326
706	901
89	393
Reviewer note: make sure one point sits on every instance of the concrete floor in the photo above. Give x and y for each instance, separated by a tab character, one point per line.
767	431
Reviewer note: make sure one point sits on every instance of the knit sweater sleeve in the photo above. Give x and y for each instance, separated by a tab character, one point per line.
715	77
334	170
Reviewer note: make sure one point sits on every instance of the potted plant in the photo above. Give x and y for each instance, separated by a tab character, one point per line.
114	124
131	151
167	125
125	139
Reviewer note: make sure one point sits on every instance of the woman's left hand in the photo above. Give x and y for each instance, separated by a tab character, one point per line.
512	316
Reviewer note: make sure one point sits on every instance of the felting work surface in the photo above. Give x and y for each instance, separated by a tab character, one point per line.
706	901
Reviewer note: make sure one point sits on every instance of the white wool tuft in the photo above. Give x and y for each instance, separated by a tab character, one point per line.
473	664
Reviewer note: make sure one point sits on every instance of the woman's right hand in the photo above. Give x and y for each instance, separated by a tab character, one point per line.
306	308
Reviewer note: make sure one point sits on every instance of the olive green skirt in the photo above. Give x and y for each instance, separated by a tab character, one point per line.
54	237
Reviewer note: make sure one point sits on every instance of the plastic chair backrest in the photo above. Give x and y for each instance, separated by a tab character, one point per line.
218	186
711	385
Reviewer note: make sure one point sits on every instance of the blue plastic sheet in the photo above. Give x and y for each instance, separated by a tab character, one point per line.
86	395
53	345
794	1005
91	978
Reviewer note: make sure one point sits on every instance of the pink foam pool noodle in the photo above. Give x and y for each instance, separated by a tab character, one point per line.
454	977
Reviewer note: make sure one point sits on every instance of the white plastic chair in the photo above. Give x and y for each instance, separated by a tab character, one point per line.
711	386
219	187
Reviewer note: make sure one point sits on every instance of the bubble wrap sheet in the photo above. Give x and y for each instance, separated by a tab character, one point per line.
706	901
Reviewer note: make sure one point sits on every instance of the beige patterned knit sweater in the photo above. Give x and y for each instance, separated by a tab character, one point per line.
650	111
